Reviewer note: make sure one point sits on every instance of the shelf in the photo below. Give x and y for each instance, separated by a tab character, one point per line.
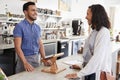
7	35
53	28
49	28
48	15
9	21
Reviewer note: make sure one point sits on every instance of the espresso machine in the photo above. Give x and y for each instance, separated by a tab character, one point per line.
76	26
7	33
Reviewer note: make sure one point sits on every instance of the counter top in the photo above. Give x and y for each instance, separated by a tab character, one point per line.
115	45
77	37
38	75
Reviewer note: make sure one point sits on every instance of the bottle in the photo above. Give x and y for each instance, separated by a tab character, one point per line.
6	11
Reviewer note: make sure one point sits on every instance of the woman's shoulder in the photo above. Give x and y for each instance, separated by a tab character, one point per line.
104	30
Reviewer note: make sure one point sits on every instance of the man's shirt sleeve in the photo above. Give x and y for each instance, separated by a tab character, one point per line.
17	32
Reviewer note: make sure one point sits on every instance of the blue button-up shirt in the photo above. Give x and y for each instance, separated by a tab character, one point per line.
30	34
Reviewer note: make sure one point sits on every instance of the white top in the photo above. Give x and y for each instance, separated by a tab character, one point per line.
89	46
102	54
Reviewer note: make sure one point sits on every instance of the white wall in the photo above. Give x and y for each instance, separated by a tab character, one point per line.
112	2
115	19
49	4
78	7
15	6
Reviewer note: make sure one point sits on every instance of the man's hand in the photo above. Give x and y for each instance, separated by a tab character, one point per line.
47	63
28	67
73	75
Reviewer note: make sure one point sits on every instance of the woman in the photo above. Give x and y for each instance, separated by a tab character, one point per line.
97	49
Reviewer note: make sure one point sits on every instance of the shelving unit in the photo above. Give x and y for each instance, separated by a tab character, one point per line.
7	24
12	22
49	28
53	28
40	14
49	25
7	27
44	17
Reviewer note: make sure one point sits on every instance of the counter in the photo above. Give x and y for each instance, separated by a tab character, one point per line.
38	75
8	46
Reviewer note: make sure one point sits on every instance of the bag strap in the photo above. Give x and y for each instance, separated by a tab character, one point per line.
106	76
103	76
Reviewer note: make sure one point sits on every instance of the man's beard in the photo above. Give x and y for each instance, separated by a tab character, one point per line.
32	19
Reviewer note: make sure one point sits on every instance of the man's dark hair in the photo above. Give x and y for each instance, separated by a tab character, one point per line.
99	17
26	5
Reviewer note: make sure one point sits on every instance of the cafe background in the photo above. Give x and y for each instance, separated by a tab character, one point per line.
73	9
56	18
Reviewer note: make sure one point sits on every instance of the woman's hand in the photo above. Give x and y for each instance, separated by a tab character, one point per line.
73	75
75	67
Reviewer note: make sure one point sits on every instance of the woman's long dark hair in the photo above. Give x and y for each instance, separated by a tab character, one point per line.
99	17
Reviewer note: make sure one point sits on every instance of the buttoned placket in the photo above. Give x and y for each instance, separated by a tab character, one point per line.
33	36
32	32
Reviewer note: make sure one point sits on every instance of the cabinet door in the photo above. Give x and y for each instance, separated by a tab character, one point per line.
50	49
63	47
7	61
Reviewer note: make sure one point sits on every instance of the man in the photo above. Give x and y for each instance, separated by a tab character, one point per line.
27	40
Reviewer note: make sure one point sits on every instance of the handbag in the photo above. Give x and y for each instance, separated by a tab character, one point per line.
106	76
